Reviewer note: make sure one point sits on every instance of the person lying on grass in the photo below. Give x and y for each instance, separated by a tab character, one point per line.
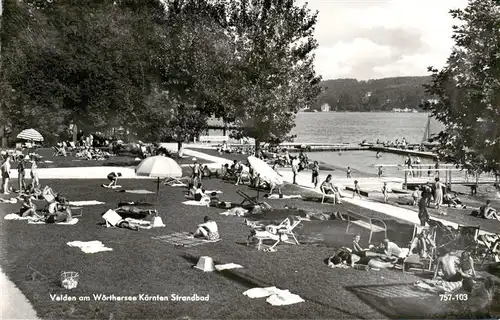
346	257
28	208
113	179
207	230
127	211
34	192
214	200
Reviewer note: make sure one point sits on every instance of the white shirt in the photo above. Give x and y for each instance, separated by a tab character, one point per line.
211	226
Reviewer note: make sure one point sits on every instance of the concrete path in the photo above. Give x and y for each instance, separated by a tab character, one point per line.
304	180
13	304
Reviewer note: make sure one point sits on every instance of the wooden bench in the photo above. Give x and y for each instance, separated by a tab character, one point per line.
361	192
365	222
217	139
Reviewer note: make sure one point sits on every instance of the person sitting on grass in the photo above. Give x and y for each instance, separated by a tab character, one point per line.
207	230
113	179
28	208
59	211
487	212
453	200
191	190
207	173
199	193
356	247
451	267
214	200
392	250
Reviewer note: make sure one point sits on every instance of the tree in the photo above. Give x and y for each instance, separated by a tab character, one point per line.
467	89
273	74
83	61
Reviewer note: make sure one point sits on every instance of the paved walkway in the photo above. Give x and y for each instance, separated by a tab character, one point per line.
13	304
304	180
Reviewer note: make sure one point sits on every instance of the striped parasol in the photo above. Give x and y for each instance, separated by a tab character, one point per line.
30	134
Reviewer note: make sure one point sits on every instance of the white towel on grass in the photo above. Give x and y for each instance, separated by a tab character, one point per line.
11	200
85	203
89	246
284	298
212	191
178	185
277	196
197	203
15	216
69	223
237	211
226	266
261	292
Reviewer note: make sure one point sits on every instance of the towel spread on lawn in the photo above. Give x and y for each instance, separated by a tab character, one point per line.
183	239
89	246
196	203
212	191
237	211
178	185
226	266
15	216
69	223
276	297
85	203
438	286
277	196
11	200
137	191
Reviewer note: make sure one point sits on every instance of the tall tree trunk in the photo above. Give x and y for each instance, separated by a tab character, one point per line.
257	147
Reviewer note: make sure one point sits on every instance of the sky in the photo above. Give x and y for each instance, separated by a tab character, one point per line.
372	39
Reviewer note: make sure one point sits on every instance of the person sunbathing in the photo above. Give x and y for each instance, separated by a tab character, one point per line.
421	243
214	200
28	208
133	212
488	212
391	249
356	247
207	230
451	266
346	257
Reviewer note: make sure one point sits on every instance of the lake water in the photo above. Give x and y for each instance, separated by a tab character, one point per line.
354	127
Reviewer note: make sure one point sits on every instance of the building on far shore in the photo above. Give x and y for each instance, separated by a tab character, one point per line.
325	107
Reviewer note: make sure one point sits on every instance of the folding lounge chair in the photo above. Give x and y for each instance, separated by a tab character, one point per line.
58	152
279	234
49	196
253	201
415	259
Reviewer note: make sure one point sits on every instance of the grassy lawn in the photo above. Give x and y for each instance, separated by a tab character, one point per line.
141	265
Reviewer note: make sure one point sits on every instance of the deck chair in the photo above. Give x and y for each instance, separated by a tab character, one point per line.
253	201
49	196
327	195
58	152
282	233
424	263
467	238
492	249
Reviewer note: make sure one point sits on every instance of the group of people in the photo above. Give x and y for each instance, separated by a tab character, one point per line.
56	211
22	165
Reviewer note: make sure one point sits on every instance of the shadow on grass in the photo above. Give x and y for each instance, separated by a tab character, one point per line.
250	282
403	300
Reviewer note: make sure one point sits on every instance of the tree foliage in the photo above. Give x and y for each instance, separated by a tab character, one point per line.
373	95
273	66
467	89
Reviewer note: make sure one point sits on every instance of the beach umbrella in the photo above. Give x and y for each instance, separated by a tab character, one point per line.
30	134
265	171
159	167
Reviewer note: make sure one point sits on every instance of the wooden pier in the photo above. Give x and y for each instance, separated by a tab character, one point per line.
406	152
317	147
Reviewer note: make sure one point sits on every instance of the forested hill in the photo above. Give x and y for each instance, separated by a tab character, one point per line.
373	95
